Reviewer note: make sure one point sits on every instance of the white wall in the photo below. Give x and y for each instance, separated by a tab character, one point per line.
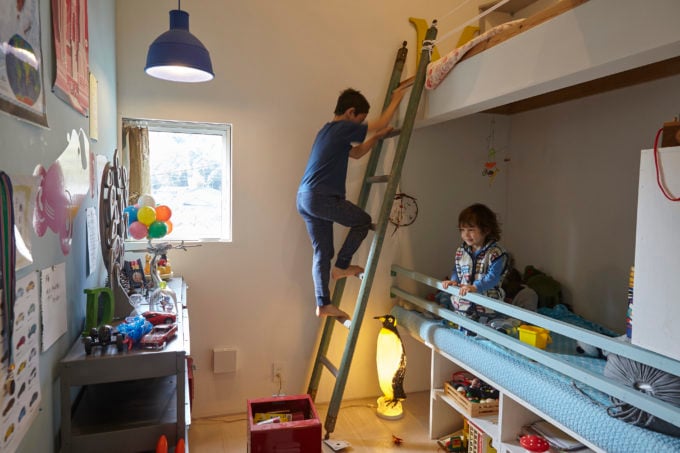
566	198
279	68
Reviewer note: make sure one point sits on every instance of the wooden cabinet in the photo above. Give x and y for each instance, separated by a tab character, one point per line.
124	401
447	415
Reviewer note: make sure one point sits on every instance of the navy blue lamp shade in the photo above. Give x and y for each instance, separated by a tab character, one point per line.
177	55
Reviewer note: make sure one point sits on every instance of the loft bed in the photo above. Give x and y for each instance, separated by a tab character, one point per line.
571	392
573	49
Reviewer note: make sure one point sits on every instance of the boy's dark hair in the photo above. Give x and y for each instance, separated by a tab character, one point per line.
482	217
351	98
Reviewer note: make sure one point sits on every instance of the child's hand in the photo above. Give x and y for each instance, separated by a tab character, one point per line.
447	283
398	93
464	289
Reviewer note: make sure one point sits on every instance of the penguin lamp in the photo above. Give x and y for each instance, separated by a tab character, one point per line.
391	362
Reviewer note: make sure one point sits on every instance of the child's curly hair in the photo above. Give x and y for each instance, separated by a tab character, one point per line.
482	217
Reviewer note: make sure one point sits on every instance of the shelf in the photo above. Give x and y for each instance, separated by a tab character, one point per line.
488	424
126	400
124	416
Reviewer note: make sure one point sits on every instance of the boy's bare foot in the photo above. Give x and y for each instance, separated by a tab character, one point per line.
332	310
352	270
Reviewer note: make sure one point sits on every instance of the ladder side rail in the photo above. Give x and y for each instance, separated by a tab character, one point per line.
339	288
376	152
325	341
381	227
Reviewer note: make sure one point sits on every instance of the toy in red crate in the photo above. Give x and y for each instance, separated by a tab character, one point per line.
283	423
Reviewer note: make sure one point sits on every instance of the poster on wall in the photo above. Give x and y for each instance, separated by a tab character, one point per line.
71	48
21	74
20	400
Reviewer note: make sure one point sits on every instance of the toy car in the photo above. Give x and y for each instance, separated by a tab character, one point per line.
9	431
102	337
158	336
159	317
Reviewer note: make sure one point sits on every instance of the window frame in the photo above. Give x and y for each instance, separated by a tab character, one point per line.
202	128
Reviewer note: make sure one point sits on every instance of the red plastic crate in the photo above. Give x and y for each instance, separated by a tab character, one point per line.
302	435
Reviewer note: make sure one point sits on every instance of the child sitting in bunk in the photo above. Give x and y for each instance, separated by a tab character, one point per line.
480	262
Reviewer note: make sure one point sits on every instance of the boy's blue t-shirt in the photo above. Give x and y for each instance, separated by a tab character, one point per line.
326	170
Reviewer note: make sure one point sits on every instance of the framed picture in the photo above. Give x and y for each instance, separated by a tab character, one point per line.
21	74
71	48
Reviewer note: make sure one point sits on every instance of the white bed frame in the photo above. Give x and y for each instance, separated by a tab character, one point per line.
598	45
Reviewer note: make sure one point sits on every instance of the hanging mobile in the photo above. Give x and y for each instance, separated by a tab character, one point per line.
404	211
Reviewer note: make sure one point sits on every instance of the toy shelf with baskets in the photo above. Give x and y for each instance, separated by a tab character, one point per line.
500	421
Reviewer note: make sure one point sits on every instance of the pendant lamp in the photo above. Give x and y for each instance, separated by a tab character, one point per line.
177	55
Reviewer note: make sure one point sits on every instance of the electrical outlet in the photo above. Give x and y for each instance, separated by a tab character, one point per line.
277	371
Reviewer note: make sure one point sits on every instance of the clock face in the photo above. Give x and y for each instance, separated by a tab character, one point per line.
404	210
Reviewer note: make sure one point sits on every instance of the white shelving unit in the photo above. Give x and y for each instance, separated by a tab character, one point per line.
446	415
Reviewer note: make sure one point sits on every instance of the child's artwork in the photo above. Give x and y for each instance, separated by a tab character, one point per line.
71	48
21	86
53	304
62	189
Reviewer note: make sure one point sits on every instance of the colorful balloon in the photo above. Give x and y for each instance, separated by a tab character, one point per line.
157	230
163	213
146	200
132	214
146	215
169	224
137	230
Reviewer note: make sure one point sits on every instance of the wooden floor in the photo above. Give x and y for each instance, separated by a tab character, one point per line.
356	424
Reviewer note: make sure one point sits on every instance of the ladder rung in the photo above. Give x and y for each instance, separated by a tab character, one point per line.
406	83
393	133
332	368
379	178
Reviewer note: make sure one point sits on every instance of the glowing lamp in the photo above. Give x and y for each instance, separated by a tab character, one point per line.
177	55
391	364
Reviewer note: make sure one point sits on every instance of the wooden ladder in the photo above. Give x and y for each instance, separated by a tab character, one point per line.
392	180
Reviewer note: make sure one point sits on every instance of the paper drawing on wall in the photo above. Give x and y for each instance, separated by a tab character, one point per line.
62	188
21	90
71	49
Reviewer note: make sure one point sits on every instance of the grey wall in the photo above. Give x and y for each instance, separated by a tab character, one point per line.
22	147
572	200
569	200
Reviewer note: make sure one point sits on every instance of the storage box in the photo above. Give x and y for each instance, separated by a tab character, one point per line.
478	440
535	336
471	409
302	435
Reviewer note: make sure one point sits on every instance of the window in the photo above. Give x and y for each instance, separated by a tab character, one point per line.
189	170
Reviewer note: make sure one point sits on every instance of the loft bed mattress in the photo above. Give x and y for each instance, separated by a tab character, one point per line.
582	409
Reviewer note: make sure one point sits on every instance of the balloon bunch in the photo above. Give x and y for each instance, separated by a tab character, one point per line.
146	220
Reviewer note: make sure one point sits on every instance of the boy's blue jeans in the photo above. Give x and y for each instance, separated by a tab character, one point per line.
319	213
